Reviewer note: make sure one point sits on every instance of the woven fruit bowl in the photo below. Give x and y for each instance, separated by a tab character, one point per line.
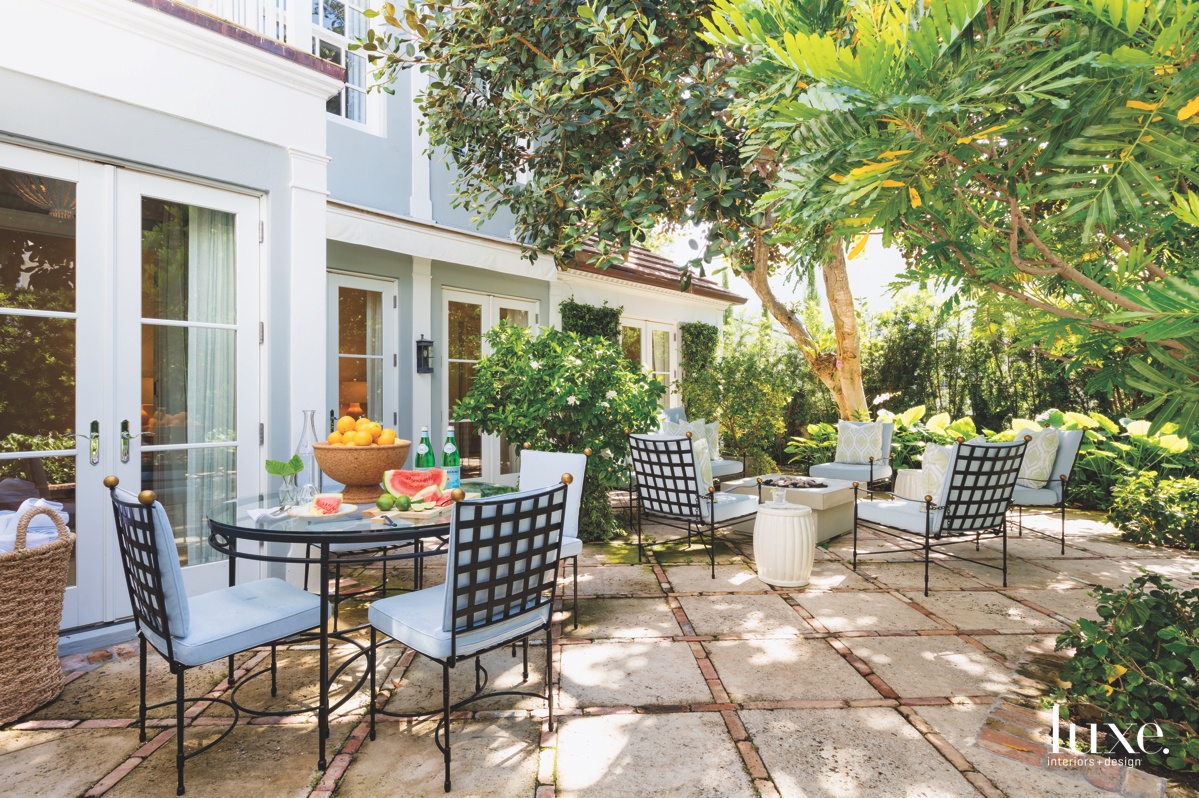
360	468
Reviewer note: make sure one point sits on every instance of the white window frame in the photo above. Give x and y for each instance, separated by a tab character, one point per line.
647	327
372	102
390	355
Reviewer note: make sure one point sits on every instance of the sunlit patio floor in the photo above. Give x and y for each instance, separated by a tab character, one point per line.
673	684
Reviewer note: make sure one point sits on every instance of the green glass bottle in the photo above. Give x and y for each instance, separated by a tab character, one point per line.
424	452
451	462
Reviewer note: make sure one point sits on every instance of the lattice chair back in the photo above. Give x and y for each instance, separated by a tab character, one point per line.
151	565
978	491
664	470
503	559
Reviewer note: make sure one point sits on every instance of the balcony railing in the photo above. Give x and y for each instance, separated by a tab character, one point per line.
271	18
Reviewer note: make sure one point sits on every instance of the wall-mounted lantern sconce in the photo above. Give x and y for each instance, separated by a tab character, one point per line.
424	355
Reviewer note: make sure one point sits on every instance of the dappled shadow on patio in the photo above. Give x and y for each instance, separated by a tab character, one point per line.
674	684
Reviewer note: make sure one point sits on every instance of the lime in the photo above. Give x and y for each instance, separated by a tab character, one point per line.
403	503
385	502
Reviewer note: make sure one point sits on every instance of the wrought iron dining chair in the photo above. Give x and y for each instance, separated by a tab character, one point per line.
667	488
542	469
501	578
1053	493
972	503
188	632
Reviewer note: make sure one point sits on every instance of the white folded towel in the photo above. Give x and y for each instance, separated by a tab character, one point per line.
41	529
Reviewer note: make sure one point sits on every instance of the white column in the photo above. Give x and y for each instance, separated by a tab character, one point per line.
559	291
420	203
422	324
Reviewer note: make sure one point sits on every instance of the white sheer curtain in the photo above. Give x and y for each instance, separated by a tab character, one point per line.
211	372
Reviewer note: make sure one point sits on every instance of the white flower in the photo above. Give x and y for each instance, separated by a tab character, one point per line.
572	400
606	453
604	404
534	365
610	395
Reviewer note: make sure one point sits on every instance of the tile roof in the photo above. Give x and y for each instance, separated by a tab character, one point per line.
647	268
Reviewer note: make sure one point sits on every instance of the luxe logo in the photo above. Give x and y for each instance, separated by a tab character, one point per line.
1121	737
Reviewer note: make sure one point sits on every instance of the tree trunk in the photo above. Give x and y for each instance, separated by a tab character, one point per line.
845	328
843	381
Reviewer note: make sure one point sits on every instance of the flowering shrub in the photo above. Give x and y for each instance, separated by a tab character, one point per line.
564	393
1140	664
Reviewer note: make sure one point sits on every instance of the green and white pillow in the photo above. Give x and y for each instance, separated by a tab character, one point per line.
703	464
858	441
1037	468
698	429
934	468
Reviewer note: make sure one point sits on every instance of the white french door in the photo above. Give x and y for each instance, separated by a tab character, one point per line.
467	316
363	370
125	301
653	345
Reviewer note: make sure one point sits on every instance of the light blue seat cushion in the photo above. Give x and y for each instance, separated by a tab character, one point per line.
852	472
571	547
1035	497
726	468
234	619
899	514
173	591
416	620
675	415
728	506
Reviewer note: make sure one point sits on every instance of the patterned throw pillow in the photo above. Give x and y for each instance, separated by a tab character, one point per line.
703	464
1037	468
858	441
698	429
935	468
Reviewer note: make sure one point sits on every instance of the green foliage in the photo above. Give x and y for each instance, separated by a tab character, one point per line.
588	320
1039	150
561	392
59	470
699	384
1162	512
285	468
757	378
1140	664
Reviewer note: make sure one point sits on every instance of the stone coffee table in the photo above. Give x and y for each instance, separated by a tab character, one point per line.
832	507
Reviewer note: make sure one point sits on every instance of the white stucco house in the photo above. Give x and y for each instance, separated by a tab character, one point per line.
207	226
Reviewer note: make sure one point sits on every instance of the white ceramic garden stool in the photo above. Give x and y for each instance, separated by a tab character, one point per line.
784	544
909	483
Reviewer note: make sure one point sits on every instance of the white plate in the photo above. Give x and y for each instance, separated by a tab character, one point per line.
307	511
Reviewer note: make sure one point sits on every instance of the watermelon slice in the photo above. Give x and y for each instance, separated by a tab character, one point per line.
327	503
429	495
410	483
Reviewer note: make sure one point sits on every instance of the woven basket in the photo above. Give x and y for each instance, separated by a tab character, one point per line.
32	583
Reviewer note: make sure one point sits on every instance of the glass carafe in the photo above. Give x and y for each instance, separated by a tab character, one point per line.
310	477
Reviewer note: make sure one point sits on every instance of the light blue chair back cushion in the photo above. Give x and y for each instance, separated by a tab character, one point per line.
675	415
173	590
545	469
473	512
1068	443
888	432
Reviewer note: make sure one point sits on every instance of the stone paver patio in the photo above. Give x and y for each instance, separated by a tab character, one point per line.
673	684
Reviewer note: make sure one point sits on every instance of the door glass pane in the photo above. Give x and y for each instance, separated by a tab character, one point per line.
37	242
466	331
515	317
189	368
467	436
51	478
630	342
189	385
188	483
360	387
661	350
360	353
187	263
37	353
37	382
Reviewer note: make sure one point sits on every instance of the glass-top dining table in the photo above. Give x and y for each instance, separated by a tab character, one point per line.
354	538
